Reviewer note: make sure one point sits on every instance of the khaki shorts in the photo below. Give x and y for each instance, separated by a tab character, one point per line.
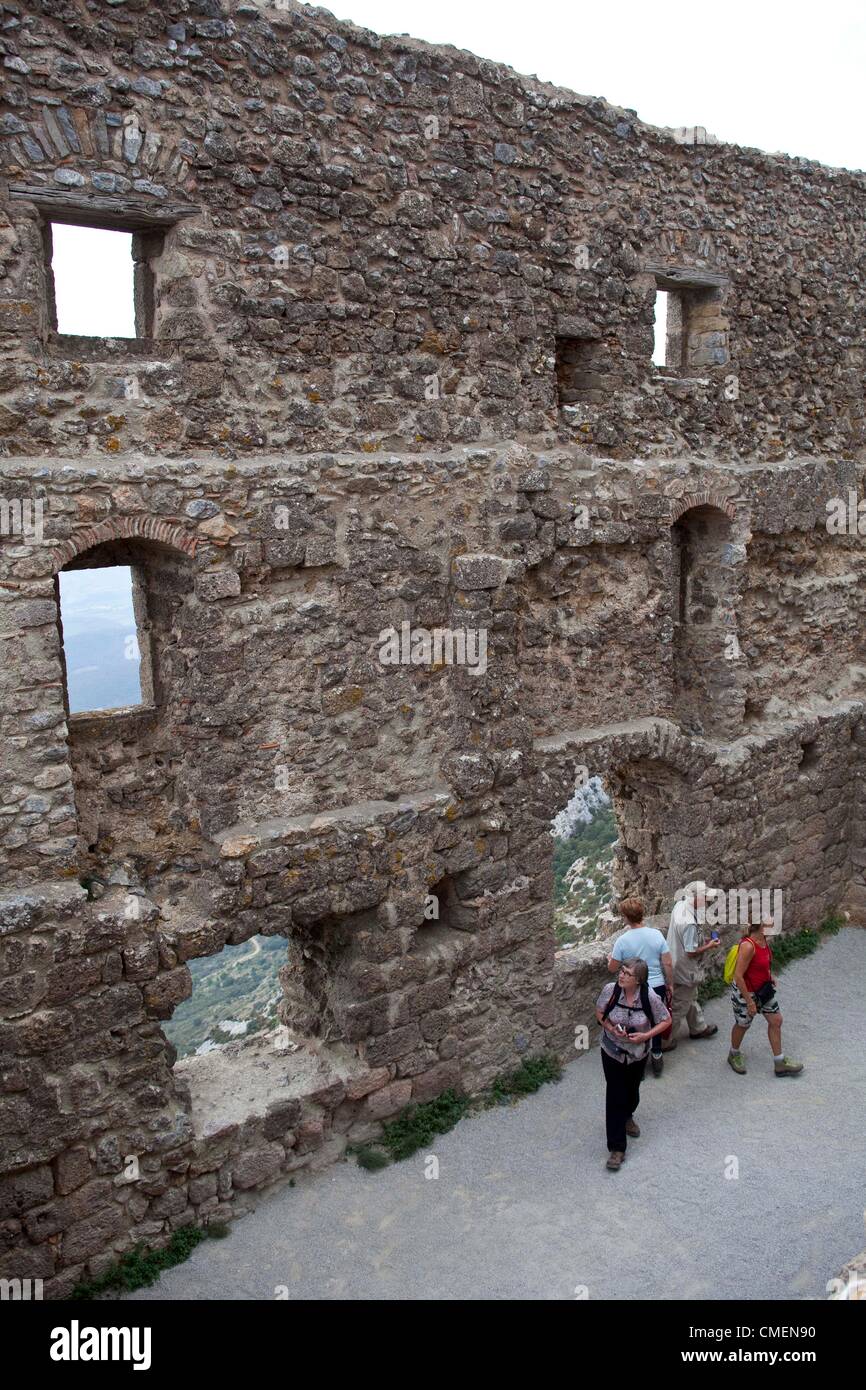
741	1011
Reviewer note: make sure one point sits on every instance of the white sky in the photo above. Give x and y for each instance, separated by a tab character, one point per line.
93	275
776	75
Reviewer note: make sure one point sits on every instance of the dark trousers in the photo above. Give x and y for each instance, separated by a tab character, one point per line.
622	1098
656	1042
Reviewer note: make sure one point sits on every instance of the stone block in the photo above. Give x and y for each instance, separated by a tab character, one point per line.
472	572
21	1191
281	1118
211	587
357	1087
71	1169
387	1101
162	995
258	1166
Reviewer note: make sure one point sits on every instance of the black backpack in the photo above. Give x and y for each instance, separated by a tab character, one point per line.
644	1003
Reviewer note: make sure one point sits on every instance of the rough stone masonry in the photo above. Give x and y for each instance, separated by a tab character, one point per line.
393	363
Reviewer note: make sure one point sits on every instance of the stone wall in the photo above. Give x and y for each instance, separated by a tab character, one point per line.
343	417
374	243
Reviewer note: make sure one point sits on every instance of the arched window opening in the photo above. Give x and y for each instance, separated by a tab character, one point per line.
106	646
123	624
708	664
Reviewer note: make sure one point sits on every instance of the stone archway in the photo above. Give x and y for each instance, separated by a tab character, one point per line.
650	770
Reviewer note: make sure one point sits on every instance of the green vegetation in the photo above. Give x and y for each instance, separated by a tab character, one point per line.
577	907
239	985
416	1127
142	1266
418	1124
588	840
786	948
530	1075
369	1158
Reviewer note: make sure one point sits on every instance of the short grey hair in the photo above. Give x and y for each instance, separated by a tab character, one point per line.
639	969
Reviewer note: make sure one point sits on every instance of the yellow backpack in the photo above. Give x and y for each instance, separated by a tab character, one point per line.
731	962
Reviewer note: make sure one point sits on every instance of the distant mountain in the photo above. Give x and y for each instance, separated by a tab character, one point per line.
584	838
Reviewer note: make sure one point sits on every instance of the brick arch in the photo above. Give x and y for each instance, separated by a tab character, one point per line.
94	141
704	499
123	528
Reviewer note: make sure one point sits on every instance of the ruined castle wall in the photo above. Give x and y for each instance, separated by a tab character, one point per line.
343	416
346	218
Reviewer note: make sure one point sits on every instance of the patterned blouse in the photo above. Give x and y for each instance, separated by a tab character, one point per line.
633	1018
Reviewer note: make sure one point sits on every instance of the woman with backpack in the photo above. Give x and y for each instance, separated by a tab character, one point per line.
754	990
631	1015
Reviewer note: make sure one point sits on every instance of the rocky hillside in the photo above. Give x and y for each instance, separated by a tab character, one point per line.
235	994
584	835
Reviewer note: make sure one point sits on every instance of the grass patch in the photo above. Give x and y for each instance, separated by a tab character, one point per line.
711	988
417	1126
369	1158
142	1266
531	1074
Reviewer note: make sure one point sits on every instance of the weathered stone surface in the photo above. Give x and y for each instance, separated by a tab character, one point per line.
359	1086
258	1166
479	571
21	1191
71	1169
394	377
389	1100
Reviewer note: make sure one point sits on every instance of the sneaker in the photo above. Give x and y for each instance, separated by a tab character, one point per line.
632	1129
787	1068
614	1160
657	1062
708	1032
669	1044
738	1062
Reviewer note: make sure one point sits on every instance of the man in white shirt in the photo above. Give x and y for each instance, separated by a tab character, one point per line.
685	941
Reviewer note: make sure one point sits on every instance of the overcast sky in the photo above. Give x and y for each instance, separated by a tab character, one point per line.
776	75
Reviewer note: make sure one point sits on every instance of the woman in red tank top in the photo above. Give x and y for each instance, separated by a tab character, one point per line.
753	992
757	972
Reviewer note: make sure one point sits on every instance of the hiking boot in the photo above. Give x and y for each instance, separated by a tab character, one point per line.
669	1044
632	1128
784	1068
737	1061
614	1160
657	1062
708	1032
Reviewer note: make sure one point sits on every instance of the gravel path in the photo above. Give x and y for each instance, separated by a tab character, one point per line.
524	1208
